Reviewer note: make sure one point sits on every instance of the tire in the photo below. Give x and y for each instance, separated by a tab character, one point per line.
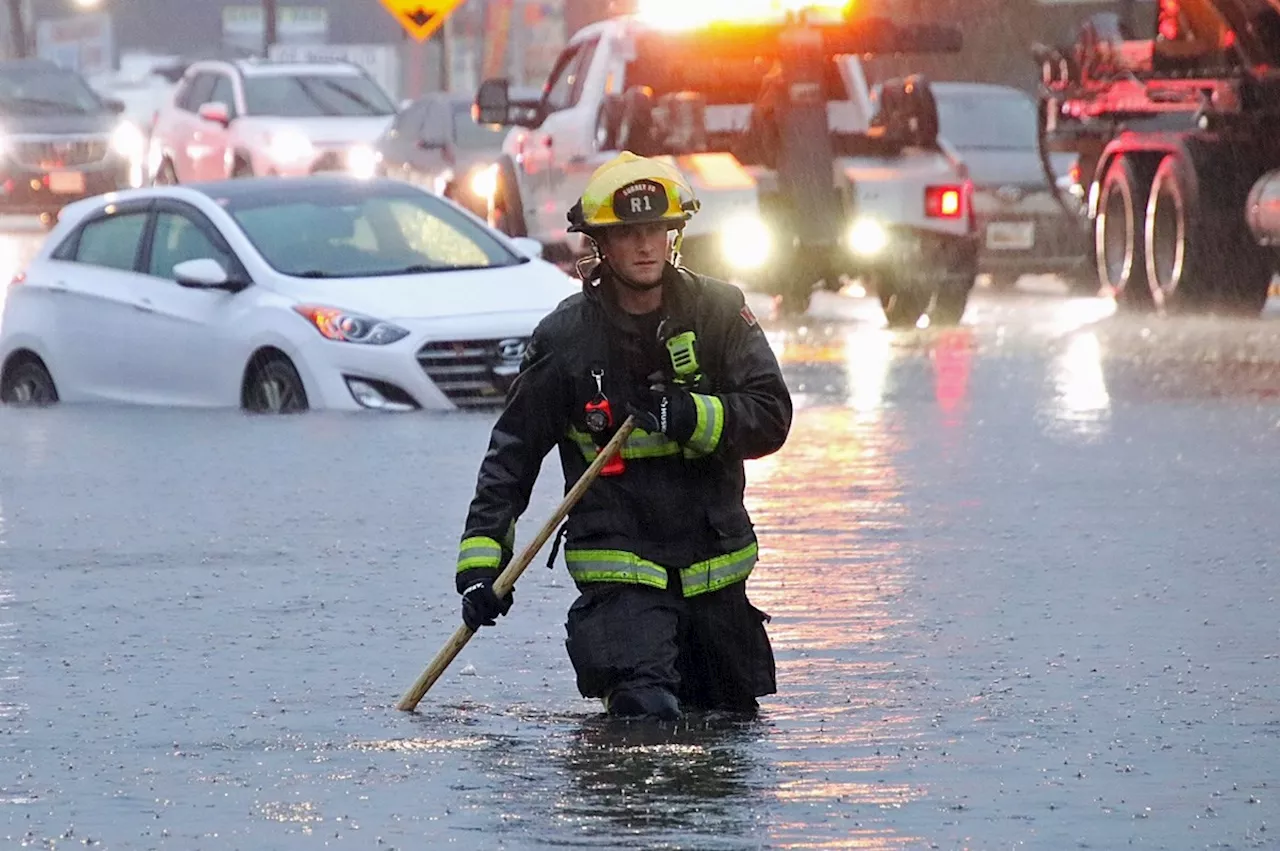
27	383
1199	256
508	211
1119	246
1004	282
272	386
902	309
166	175
241	170
949	305
794	300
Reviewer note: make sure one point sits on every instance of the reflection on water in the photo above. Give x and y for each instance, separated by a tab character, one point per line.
833	573
11	709
1080	404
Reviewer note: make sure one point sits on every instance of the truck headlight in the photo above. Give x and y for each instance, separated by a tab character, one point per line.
484	183
746	242
362	162
127	141
867	238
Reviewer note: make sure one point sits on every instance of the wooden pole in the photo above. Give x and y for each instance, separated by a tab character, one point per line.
507	579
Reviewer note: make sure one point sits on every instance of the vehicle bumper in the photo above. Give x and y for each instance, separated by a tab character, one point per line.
26	190
911	255
436	368
1047	243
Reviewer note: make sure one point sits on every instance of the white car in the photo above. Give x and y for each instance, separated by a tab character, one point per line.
251	118
274	295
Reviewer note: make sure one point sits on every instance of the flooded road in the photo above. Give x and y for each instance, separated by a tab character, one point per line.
1022	576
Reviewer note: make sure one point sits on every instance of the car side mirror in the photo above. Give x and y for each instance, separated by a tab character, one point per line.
204	273
493	102
216	112
529	247
114	105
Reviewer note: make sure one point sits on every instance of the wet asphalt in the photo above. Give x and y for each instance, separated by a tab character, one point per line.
1022	577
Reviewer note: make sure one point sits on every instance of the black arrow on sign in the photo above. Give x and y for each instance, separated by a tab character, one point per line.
421	17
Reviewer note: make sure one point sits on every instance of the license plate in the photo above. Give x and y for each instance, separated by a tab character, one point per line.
66	182
1011	236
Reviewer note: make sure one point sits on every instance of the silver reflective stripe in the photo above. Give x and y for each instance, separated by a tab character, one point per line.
479	551
719	572
614	566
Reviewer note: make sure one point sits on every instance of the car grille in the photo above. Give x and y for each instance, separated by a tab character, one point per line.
473	373
47	153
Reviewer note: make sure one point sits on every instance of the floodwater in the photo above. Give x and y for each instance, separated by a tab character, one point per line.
1022	577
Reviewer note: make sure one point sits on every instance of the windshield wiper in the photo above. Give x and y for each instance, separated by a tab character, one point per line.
311	96
354	97
314	273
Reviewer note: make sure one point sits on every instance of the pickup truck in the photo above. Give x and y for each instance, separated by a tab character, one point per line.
802	182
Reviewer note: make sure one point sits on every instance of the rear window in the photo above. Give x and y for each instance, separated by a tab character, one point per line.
987	120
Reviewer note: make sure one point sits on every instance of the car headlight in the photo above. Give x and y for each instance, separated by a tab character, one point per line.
290	146
345	327
127	141
867	238
484	183
746	242
362	161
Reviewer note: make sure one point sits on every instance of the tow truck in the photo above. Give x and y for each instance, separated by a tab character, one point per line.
1178	139
767	113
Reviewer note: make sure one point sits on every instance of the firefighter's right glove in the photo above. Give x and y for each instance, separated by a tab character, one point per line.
481	607
670	411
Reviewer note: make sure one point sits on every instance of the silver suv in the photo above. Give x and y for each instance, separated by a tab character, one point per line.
247	118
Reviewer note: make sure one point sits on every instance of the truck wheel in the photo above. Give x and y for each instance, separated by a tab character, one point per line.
1198	252
902	307
794	299
949	304
1118	232
1004	282
508	211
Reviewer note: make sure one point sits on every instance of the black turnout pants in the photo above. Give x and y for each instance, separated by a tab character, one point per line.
711	651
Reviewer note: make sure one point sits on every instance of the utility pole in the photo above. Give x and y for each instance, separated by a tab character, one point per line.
17	29
269	10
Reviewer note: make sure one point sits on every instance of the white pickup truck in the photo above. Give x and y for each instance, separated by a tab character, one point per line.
803	182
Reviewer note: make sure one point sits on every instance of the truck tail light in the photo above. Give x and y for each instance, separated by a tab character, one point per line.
944	202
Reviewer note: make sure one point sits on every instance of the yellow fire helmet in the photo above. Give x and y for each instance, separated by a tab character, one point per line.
632	190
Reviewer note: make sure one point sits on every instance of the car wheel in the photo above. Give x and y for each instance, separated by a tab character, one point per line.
902	308
166	175
272	386
241	170
27	383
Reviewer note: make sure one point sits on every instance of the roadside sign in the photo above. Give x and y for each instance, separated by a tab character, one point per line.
421	18
84	43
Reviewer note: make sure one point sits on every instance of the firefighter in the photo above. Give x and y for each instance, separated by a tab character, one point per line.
661	545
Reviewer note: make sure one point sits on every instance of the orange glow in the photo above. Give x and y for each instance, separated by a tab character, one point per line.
681	14
717	171
326	320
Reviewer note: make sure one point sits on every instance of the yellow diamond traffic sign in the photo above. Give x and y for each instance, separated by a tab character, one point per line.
421	18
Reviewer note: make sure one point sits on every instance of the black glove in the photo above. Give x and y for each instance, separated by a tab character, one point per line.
480	606
669	410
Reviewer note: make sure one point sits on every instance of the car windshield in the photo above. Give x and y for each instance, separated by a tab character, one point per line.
981	120
46	92
472	136
365	231
315	95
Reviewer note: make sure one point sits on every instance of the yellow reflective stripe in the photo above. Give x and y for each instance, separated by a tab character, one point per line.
479	551
614	566
716	573
706	434
640	444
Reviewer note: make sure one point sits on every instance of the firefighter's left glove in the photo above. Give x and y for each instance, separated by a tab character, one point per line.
669	410
481	607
